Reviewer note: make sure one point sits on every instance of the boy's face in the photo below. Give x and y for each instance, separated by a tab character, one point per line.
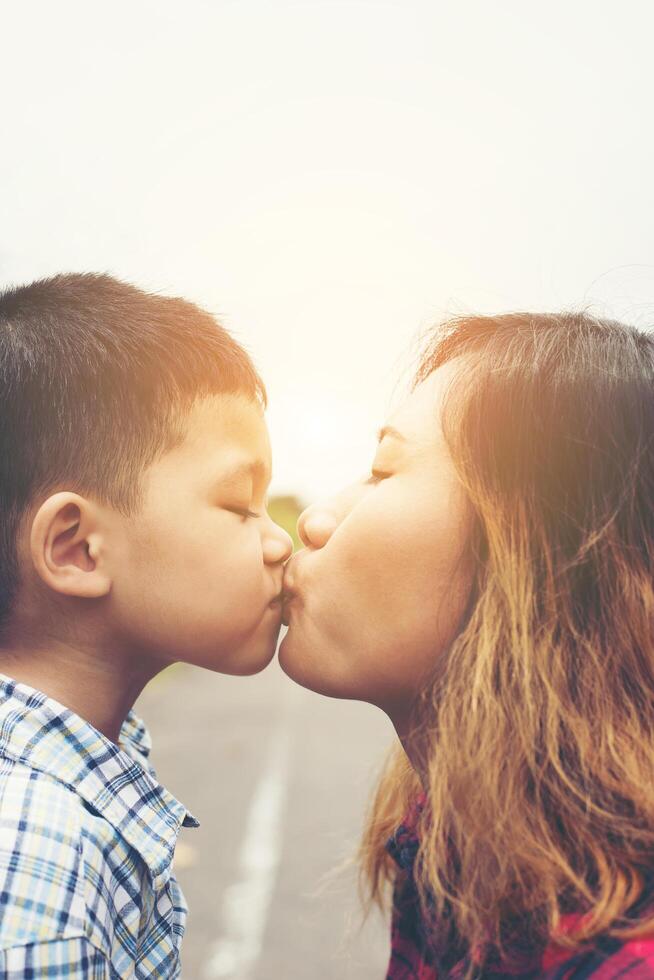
197	571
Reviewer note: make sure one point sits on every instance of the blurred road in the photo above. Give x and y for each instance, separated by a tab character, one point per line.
278	778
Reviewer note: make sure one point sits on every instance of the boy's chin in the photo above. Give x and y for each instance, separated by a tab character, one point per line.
241	660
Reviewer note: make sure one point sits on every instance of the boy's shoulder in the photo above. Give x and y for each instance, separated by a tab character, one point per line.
63	866
42	887
66	849
87	837
67	879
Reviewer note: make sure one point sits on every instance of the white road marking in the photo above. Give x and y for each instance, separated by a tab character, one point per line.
246	902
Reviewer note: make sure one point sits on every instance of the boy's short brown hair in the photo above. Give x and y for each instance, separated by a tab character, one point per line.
95	379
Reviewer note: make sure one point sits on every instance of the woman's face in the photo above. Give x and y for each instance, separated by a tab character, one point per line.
378	593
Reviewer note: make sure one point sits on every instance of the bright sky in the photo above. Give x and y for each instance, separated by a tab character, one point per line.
332	177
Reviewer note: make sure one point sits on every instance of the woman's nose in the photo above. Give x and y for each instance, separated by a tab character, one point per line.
316	525
319	521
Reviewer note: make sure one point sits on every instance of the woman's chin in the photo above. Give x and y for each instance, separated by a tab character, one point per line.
302	662
295	659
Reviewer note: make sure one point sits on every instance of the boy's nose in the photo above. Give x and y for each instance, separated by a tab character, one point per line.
278	546
316	526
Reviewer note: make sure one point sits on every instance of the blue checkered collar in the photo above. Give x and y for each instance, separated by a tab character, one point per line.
115	780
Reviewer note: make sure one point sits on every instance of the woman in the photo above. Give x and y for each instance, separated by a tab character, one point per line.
490	586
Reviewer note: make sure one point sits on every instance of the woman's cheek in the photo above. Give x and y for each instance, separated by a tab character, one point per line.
367	563
401	554
383	543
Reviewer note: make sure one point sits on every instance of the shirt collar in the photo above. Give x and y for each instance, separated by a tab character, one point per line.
404	844
116	780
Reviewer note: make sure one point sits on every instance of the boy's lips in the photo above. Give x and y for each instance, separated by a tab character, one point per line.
286	612
288	594
277	600
290	588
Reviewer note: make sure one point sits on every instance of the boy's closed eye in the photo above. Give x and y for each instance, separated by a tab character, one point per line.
243	512
243	490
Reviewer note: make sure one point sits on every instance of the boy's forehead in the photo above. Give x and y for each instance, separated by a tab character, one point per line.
230	426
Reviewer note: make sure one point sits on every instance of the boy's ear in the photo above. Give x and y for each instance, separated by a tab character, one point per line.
66	544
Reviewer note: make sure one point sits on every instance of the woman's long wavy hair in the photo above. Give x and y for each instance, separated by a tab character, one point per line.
538	728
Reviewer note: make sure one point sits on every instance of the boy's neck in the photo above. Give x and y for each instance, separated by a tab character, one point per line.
100	689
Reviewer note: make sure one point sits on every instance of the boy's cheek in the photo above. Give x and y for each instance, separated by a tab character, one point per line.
234	641
239	645
198	600
220	606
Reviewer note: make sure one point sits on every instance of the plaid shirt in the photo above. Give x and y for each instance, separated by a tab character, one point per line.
87	837
413	958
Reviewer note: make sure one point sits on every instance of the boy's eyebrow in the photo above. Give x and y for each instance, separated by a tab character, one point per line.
257	470
390	430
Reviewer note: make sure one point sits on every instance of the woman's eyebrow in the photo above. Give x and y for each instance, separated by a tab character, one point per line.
390	430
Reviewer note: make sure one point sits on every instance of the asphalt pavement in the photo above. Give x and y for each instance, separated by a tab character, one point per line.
279	779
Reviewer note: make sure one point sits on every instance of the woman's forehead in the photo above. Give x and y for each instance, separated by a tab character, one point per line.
418	417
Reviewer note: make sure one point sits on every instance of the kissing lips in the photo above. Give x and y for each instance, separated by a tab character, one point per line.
289	592
287	599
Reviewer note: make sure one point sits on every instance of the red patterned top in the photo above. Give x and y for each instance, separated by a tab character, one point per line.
414	958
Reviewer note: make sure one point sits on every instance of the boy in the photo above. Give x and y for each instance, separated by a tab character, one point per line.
134	464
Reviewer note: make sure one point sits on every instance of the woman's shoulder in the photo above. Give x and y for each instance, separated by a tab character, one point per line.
609	958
